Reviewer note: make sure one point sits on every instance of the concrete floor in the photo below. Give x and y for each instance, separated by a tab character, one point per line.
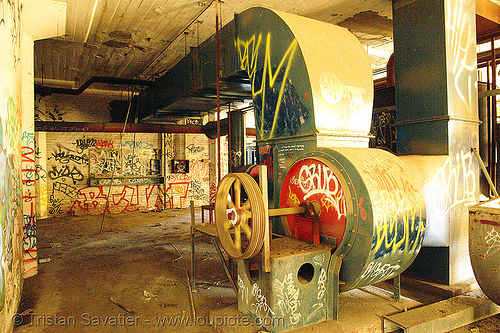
124	280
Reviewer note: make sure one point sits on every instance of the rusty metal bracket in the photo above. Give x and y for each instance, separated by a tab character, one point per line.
397	288
334	287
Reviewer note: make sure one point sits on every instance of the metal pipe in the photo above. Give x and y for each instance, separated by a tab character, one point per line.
485	172
494	143
488	93
224	265
217	68
286	211
175	38
51	126
489	117
44	90
191	204
230	164
191	300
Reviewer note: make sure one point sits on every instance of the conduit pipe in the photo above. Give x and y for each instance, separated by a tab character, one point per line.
44	90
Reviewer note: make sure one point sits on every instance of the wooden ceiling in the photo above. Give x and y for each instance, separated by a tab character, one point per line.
143	38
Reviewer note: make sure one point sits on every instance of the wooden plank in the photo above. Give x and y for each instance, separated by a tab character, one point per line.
207	229
107	16
124	15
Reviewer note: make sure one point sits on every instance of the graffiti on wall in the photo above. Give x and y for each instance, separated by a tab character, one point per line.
461	39
3	216
54	115
10	192
65	155
383	130
288	298
455	182
124	162
80	170
28	177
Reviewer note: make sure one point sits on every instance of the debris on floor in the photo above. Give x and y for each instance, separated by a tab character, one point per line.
143	271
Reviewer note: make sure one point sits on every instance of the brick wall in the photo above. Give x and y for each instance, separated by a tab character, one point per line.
67	162
74	159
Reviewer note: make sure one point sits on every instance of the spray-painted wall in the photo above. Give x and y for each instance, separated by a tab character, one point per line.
11	131
74	169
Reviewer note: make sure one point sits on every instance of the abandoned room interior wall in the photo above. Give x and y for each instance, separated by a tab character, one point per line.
74	169
11	209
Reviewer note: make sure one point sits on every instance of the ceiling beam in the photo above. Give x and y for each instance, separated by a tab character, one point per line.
488	10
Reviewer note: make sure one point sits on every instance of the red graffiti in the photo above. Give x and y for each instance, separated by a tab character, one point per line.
179	189
100	144
93	198
157	198
126	201
27	169
362	211
265	150
24	154
213	192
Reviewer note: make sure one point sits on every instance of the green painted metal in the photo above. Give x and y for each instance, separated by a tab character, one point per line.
237	136
294	294
188	88
269	53
421	76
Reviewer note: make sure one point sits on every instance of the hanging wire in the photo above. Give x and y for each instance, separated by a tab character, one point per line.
131	94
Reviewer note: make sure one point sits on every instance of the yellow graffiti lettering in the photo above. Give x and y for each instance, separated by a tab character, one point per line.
326	203
248	52
387	231
293	196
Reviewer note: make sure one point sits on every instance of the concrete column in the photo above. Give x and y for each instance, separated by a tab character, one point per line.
28	171
436	102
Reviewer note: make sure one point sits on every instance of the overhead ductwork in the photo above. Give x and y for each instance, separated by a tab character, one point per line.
45	90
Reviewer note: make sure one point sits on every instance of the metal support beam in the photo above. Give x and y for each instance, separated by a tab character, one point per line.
191	204
51	126
224	264
442	316
44	90
397	288
334	287
237	140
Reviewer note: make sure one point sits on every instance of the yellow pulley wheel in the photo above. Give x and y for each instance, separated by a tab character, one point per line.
240	216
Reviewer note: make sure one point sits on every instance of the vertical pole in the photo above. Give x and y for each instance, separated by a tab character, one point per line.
217	68
267	246
164	169
224	264
230	164
494	112
397	288
236	137
192	244
485	172
489	116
